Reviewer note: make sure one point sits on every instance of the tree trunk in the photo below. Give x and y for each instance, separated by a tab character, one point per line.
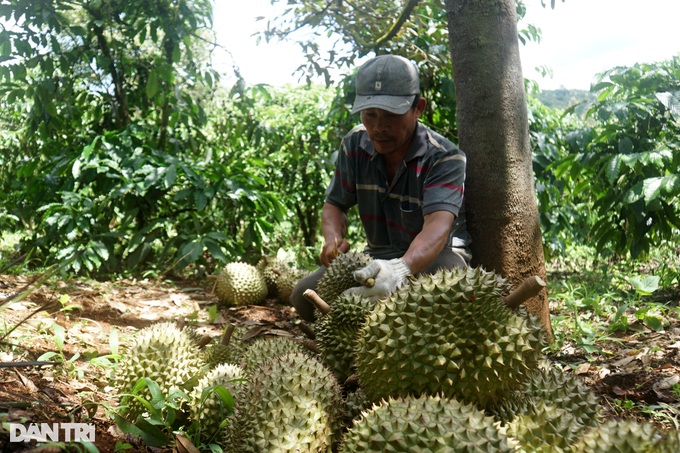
493	128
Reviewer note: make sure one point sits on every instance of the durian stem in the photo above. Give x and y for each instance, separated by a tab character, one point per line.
525	291
227	335
311	345
352	381
307	330
203	341
318	302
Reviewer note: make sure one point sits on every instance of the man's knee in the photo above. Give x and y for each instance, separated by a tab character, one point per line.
447	259
305	308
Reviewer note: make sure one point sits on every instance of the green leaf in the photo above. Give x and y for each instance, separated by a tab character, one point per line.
100	249
645	286
651	188
214	249
114	342
654	323
613	168
150	434
225	396
671	185
625	145
191	251
152	84
59	335
619	312
201	200
75	170
5	47
170	176
47	356
176	54
634	194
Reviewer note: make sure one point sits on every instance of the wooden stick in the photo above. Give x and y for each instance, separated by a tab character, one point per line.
307	330
227	335
525	291
318	302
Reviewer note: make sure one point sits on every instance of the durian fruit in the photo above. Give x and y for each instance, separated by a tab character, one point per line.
229	350
269	347
294	405
555	387
340	275
621	436
162	353
272	269
191	333
670	442
545	427
354	403
336	333
566	391
449	333
424	424
240	284
208	409
286	283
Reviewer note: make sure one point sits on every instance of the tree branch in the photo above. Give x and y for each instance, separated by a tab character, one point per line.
391	33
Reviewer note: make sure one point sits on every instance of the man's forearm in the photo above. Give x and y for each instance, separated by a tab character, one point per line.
333	222
429	243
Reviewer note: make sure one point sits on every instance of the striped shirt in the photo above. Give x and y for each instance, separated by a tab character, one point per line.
430	179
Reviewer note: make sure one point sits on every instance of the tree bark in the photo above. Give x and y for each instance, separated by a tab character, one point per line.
493	128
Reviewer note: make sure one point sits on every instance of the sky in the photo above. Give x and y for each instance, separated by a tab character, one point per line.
580	38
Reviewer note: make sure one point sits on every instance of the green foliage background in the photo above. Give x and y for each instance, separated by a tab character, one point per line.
122	151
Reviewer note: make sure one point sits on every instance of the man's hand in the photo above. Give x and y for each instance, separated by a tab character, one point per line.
331	249
380	277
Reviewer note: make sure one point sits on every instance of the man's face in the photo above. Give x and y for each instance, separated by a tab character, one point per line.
391	133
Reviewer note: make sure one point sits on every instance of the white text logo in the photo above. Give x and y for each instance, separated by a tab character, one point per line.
53	432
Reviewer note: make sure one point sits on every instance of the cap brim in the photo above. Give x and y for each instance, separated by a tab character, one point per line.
393	104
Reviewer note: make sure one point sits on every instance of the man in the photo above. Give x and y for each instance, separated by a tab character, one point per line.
406	180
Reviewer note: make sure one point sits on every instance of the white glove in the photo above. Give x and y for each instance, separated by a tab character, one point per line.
380	277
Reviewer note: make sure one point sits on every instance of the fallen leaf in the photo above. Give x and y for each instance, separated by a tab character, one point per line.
184	445
583	368
624	361
149	316
667	383
616	390
121	307
26	382
604	372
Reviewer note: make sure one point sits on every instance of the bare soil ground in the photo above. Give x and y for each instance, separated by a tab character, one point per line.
636	373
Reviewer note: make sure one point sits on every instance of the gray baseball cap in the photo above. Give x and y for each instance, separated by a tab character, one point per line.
387	82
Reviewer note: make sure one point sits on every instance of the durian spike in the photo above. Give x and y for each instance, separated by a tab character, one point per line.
311	345
307	330
227	335
525	291
318	302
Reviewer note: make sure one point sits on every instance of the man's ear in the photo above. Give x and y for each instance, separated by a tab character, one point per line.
420	106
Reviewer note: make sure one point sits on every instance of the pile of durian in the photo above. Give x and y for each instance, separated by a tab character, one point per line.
440	365
240	283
